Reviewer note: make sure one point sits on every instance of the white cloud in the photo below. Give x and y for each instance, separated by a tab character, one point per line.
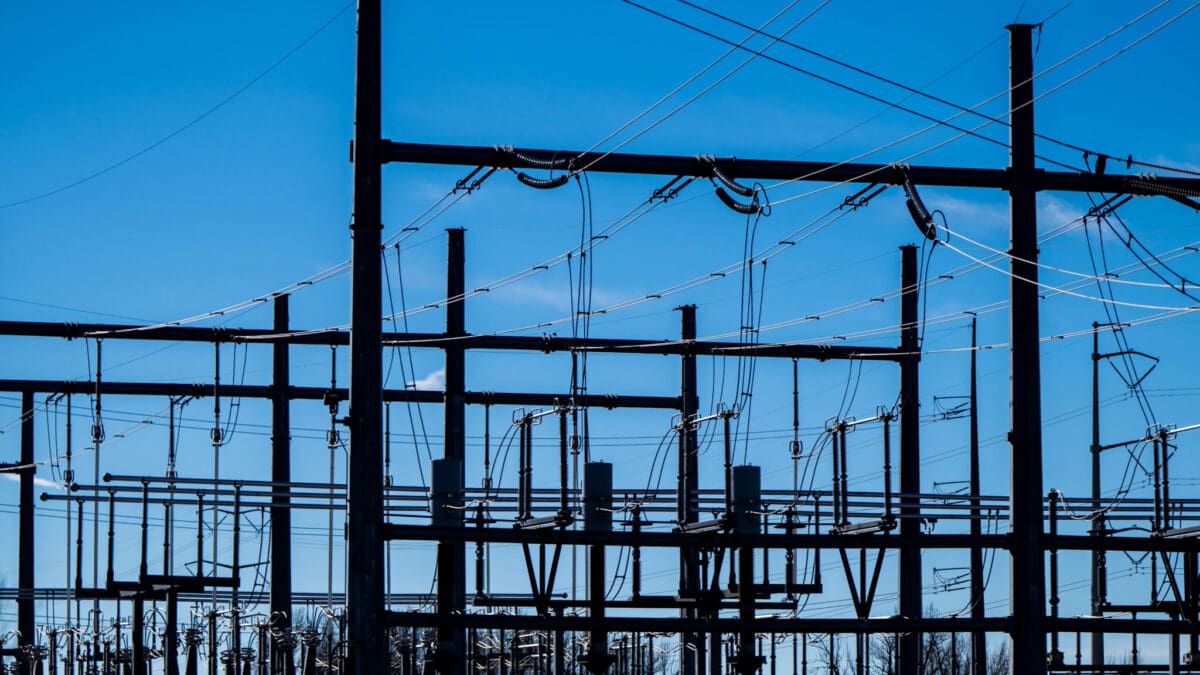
1168	161
970	216
1054	211
37	480
557	297
554	296
435	381
967	214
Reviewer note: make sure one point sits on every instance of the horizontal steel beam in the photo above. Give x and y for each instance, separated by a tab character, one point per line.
763	625
318	393
665	347
766	169
223	595
625	624
659	539
533	343
498	535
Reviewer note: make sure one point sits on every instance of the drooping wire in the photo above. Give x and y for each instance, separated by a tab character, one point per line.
1113	316
411	367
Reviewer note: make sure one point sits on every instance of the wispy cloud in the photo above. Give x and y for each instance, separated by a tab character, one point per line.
435	381
37	480
557	297
970	215
1172	162
967	213
1054	211
554	296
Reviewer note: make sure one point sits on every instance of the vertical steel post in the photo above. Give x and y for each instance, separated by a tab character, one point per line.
691	653
281	473
909	582
1099	559
452	586
171	635
137	636
597	517
446	490
978	637
368	646
139	606
1027	595
747	503
25	566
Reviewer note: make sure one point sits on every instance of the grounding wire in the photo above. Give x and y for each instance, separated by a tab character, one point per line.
842	85
680	87
734	46
960	135
922	92
193	122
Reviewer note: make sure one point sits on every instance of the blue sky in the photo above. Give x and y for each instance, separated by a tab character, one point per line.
256	195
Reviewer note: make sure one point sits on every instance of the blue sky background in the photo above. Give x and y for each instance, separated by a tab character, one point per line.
256	195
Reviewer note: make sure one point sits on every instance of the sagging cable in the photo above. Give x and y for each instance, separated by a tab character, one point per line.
747	209
543	183
728	182
916	208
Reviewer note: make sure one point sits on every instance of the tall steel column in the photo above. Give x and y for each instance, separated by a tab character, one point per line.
691	653
452	555
1099	558
909	583
368	647
25	565
281	474
978	637
1027	594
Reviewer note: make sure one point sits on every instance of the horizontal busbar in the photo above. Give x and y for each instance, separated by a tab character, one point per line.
319	393
535	343
769	169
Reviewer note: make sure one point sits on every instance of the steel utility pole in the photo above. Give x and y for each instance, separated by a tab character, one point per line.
25	566
909	582
978	638
452	555
281	474
368	648
1099	559
1027	594
691	652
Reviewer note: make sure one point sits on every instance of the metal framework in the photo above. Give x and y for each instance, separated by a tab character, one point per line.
724	583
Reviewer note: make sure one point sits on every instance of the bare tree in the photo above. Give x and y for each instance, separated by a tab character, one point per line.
831	653
883	654
998	660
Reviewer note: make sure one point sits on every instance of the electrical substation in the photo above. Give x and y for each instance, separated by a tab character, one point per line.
513	545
